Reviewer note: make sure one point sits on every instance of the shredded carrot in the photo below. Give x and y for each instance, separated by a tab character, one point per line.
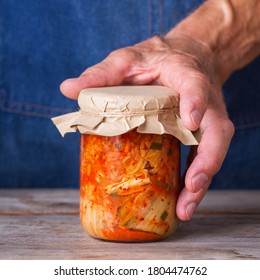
88	169
127	146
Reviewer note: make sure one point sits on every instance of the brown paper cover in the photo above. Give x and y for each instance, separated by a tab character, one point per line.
111	111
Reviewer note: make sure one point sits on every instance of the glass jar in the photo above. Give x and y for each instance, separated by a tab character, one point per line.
130	160
129	186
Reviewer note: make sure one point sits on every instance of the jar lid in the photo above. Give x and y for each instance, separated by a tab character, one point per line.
111	111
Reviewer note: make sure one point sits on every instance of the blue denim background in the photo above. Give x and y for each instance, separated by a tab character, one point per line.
43	42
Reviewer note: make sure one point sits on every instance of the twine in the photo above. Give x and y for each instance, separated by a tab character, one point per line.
132	113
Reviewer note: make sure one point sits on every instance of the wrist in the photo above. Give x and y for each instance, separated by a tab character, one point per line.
228	30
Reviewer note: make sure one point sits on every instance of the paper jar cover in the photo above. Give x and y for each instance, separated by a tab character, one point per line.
111	111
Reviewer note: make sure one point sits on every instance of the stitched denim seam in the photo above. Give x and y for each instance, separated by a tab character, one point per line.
247	126
31	109
250	120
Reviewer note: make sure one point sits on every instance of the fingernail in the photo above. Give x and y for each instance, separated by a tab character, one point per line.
190	209
196	117
199	181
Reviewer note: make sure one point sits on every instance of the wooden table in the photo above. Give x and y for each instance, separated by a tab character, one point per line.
44	224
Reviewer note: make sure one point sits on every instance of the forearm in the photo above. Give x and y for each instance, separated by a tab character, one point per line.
228	28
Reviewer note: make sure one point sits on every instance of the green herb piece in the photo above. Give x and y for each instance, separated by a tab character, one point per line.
164	215
117	146
114	194
156	146
126	223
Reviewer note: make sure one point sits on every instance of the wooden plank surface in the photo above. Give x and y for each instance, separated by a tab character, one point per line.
39	201
44	224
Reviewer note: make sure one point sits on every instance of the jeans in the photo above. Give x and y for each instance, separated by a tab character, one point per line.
44	42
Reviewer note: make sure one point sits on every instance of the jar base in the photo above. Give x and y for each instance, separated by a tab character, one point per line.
128	241
130	237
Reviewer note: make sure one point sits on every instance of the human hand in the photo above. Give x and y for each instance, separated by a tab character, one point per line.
188	68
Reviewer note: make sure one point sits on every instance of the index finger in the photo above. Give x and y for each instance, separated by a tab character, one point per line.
111	71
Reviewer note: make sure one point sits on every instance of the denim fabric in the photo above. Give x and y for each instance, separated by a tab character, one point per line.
44	42
242	96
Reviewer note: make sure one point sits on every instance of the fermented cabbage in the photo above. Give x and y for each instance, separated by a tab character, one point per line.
129	186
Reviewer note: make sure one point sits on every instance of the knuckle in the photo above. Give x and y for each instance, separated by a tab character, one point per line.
158	41
214	165
123	53
155	43
229	127
199	101
226	128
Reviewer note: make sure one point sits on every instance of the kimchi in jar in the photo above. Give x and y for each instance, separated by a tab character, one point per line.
129	185
130	160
